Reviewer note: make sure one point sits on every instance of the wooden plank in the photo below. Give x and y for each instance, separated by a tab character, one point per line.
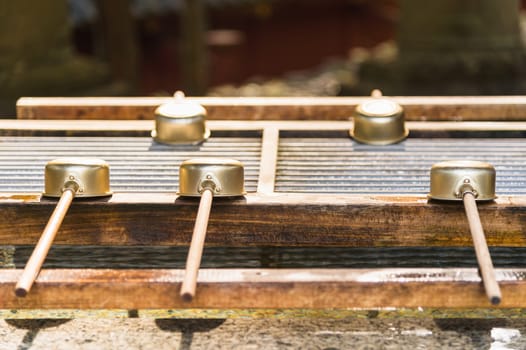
269	160
281	219
264	288
427	108
13	127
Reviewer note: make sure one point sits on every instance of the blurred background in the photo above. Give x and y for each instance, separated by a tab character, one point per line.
260	48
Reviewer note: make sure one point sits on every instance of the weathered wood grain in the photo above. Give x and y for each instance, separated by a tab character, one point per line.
263	288
454	108
256	220
269	160
132	128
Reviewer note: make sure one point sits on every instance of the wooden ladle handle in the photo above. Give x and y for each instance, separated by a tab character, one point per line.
34	264
481	249
193	261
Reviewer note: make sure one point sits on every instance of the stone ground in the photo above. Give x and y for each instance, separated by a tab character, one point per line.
263	333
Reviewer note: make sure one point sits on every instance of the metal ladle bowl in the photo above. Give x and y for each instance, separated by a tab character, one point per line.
450	179
379	121
226	176
91	176
180	122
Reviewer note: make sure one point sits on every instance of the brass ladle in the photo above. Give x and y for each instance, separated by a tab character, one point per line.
180	122
64	178
470	181
205	178
379	121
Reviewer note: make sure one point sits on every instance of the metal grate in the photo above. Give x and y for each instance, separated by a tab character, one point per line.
137	164
340	165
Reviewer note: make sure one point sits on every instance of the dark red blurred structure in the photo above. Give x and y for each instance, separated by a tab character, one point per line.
265	38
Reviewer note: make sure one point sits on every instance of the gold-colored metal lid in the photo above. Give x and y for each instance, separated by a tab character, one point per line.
180	122
379	121
450	179
224	176
90	177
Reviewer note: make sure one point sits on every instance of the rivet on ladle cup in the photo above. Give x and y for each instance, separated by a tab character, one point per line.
64	178
205	178
470	181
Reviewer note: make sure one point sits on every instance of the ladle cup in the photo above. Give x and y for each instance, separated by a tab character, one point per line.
180	122
379	121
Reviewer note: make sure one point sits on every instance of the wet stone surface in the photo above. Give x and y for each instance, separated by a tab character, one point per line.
271	333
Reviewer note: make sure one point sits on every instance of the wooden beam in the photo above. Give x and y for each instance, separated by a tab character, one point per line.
280	219
427	108
263	288
269	160
16	127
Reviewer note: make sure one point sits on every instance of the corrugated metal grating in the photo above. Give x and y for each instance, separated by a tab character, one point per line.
305	165
137	164
340	165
